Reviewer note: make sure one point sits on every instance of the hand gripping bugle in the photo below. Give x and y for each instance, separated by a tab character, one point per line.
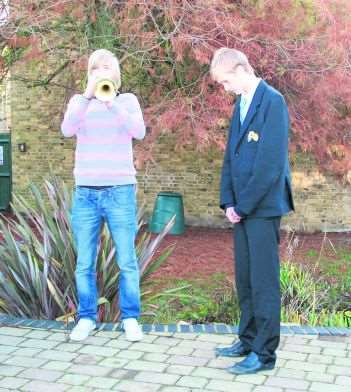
105	90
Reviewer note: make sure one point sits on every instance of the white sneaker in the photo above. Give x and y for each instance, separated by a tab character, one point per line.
82	330
132	329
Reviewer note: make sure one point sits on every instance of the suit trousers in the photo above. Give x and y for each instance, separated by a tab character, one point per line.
257	277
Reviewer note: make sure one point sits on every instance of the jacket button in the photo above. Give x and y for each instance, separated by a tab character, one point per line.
236	154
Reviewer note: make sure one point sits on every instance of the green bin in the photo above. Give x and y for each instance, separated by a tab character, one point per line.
167	205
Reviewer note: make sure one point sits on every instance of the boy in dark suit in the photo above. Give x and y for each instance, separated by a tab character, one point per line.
255	193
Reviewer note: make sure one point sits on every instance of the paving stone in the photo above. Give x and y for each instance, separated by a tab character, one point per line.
291	373
282	382
280	362
180	369
74	379
305	366
186	336
326	344
342	362
219	339
170	341
14	331
7	349
102	383
101	351
180	350
89	370
40	344
151	338
12	382
41	374
222	362
25	361
55	355
135	386
198	344
7	370
129	354
290	390
58	337
325	359
291	355
96	341
159	378
178	389
108	334
115	363
210	354
324	387
57	365
212	373
123	374
81	389
27	352
227	386
299	340
184	360
117	343
334	352
38	334
343	380
320	377
69	347
339	370
154	357
262	388
146	366
86	359
42	386
192	382
149	348
257	379
11	340
302	349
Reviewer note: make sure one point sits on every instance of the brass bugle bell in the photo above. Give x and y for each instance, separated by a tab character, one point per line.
105	90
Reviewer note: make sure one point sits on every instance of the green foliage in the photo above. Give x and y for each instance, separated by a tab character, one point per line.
11	55
305	300
194	301
37	258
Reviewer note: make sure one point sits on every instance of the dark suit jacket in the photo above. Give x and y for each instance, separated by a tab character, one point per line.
256	174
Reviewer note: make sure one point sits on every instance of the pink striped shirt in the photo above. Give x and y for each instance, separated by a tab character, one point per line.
104	150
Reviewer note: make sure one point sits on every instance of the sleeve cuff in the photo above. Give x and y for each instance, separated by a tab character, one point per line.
239	212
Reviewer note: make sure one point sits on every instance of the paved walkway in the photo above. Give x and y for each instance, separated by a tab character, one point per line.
42	360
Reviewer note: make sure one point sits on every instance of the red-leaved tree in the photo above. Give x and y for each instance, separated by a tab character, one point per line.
303	48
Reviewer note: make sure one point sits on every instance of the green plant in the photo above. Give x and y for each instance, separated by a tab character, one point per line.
193	301
37	257
301	294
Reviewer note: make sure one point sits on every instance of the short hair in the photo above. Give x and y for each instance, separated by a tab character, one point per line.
102	54
229	59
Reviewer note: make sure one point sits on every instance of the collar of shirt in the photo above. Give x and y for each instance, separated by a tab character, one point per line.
248	97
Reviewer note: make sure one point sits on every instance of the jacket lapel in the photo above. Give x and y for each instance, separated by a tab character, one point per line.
255	103
235	123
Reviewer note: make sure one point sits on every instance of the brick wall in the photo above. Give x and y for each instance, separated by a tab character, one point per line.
321	202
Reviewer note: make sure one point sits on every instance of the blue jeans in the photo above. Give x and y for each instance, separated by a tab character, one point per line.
117	207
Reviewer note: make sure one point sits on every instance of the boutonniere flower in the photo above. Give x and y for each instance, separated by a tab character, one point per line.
252	136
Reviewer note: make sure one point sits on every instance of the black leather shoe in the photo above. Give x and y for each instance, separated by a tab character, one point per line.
251	364
235	350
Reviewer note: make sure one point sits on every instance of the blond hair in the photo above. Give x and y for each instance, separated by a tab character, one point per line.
103	54
229	59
